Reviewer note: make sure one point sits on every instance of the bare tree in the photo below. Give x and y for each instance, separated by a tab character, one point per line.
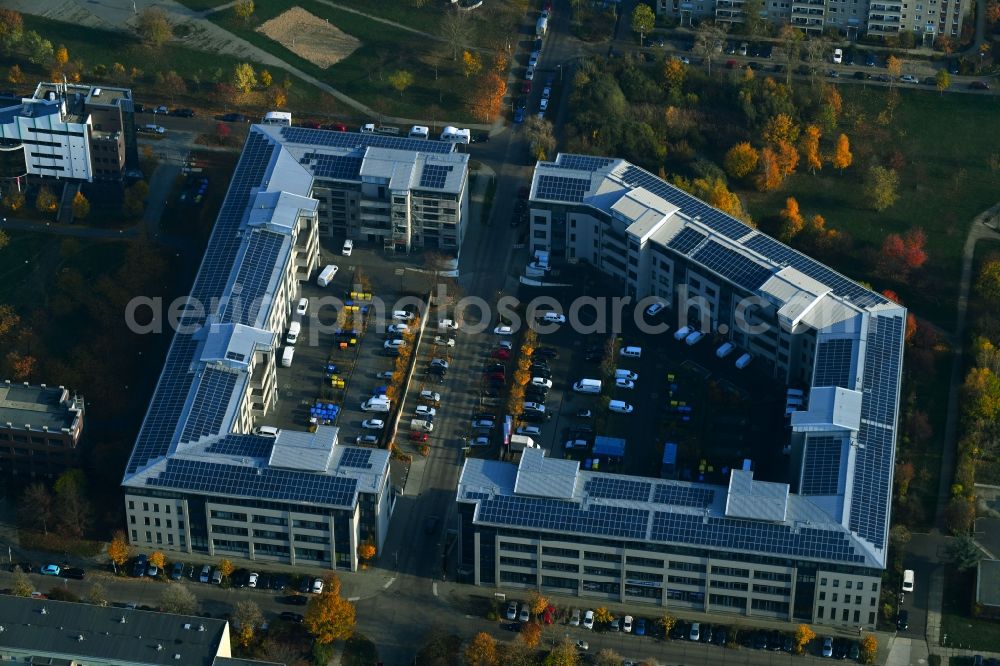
708	41
36	507
178	599
456	27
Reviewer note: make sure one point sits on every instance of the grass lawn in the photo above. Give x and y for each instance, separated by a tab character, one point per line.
945	182
96	47
957	624
359	651
20	259
364	74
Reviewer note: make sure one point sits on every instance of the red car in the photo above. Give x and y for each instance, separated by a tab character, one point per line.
502	354
526	88
418	436
549	615
336	127
311	124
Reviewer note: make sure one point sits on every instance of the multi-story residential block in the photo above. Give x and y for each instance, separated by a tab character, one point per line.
851	18
812	548
75	132
40	427
198	480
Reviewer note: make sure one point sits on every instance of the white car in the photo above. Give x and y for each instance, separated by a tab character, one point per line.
348	248
529	75
530	431
621	382
909	78
525	613
627	624
574	621
654	309
626	374
447	342
575	444
828	646
252	580
302	307
373	424
546	92
385	374
485	424
543	105
533	59
430	396
534	406
394	344
620	407
317	586
582	645
402	315
695	633
396	329
838	56
503	330
448	325
588	620
482	440
512	610
541	381
553	318
425	411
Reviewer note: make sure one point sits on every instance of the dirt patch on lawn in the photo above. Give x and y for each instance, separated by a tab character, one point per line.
310	37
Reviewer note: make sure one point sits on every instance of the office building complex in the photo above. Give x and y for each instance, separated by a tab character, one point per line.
40	427
812	549
75	132
42	631
851	18
197	480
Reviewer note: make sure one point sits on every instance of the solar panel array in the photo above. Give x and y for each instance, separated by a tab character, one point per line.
175	380
243	446
357	458
687	240
715	219
874	459
783	255
336	167
833	363
315	137
583	162
753	535
210	402
435	175
563	516
238	480
732	265
821	467
253	278
666	493
561	188
609	487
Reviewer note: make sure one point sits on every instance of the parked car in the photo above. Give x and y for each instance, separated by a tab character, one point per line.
588	620
512	610
178	571
289	616
574	620
827	649
50	570
418	436
373	424
252	579
626	624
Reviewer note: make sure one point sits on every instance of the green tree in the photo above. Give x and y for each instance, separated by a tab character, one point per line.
960	515
400	80
153	27
244	9
607	657
881	187
963	553
37	49
942	80
11	29
541	140
643	20
755	23
741	160
244	77
708	41
988	282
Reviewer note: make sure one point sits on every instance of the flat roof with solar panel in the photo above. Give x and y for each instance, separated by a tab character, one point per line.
845	478
189	440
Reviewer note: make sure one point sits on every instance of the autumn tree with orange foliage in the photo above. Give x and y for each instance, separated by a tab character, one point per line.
330	617
791	220
780	129
531	634
810	148
788	158
22	366
366	551
842	156
768	176
741	160
902	254
482	650
486	101
472	64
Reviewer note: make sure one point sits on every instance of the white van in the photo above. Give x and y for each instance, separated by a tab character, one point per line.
283	118
456	135
286	356
367	128
293	332
326	275
628	375
682	332
743	361
908	576
379	404
266	431
419	132
620	406
521	442
348	248
630	352
588	386
420	425
725	349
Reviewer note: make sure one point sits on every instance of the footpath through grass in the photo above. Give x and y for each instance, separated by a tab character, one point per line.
944	144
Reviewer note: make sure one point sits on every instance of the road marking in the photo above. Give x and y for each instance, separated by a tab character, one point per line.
354	598
434	588
388	583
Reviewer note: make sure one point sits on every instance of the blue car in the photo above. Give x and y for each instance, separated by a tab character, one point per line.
870	60
640	627
50	570
519	115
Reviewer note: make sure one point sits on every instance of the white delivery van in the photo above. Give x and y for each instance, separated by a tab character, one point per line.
378	404
588	386
630	352
743	361
283	118
521	442
419	132
287	355
420	425
293	332
908	577
456	135
368	128
326	275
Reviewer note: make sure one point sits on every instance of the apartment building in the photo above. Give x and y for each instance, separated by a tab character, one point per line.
198	479
76	132
810	549
40	428
399	193
850	18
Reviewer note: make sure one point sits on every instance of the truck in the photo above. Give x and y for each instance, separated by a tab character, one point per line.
521	442
542	26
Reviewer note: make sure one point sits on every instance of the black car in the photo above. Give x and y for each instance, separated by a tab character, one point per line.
707	633
545	352
491	392
437	370
679	630
512	626
536	417
73	572
297	599
862	76
305	585
139	567
775	640
496	367
787	643
239	578
264	581
720	636
289	616
903	620
535	396
484	416
23	566
544	373
183	113
234	118
759	641
841	646
482	137
138	108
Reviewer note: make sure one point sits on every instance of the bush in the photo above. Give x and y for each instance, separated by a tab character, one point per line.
322	653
